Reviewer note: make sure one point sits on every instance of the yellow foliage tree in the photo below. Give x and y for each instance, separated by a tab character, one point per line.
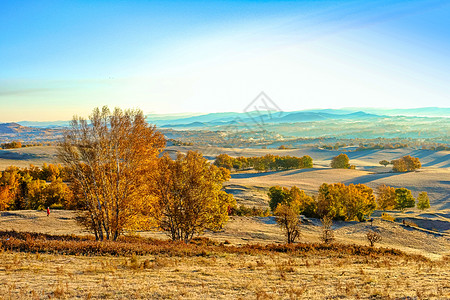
386	197
189	196
109	159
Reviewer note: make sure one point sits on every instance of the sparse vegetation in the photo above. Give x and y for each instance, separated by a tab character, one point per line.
327	231
373	237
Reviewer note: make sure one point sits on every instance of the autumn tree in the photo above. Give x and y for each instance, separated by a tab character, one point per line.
189	196
340	162
295	198
289	222
109	160
386	197
352	202
404	199
406	163
423	202
327	231
224	161
384	162
301	202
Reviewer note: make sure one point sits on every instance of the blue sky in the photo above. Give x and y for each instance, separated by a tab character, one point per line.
61	58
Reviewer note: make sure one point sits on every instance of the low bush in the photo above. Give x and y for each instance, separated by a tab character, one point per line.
129	246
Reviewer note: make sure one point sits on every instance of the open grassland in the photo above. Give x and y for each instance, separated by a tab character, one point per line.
23	157
254	230
208	270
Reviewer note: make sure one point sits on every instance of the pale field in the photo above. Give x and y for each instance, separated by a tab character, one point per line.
221	276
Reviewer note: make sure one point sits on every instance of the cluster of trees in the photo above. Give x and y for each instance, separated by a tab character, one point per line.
406	163
11	145
116	172
400	198
267	162
35	188
337	201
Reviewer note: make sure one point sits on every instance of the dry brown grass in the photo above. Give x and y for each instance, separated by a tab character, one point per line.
221	276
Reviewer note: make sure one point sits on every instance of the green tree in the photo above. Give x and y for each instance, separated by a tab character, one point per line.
404	199
423	202
384	162
307	161
340	162
278	195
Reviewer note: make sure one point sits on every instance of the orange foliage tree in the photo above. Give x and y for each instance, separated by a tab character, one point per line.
406	163
109	160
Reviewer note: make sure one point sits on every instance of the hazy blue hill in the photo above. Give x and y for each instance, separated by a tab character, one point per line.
52	124
416	112
10	128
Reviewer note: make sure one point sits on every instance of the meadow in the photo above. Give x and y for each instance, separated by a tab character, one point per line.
54	257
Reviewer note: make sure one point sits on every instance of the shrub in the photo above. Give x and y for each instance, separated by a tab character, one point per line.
327	232
384	162
387	217
373	237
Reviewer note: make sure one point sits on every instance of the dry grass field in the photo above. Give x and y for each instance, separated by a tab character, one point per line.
265	275
221	276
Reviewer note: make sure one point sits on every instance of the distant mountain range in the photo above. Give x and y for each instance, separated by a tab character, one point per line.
195	120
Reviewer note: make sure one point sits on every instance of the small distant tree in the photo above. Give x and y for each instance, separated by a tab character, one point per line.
404	199
327	231
289	222
423	202
340	162
386	197
384	162
373	237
